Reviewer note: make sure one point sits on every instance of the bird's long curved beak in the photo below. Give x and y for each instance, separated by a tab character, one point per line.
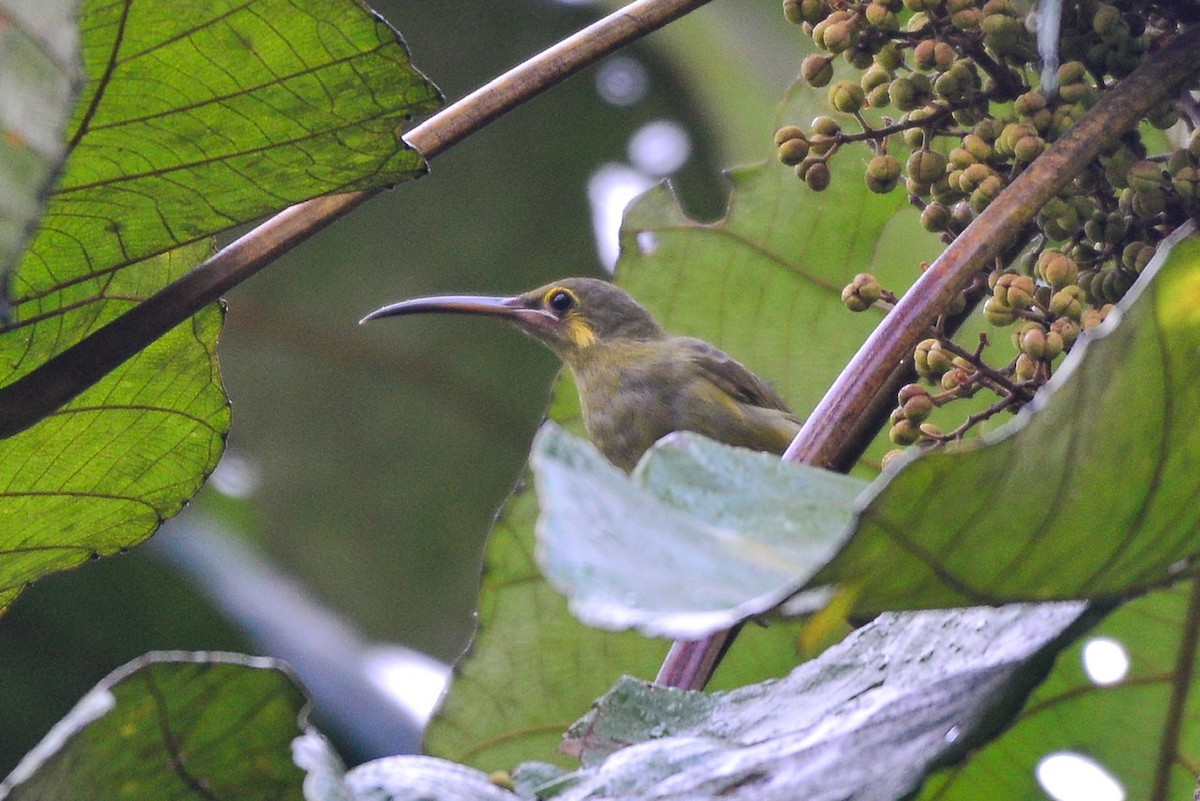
513	308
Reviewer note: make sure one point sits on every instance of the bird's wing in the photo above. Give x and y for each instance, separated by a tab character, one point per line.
732	377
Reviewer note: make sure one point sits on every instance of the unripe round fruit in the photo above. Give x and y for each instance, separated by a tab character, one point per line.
1032	341
926	166
930	360
904	433
883	173
853	301
1107	21
881	17
816	70
889	56
818	177
1093	317
1144	175
1071	72
924	55
935	217
1025	367
1066	329
1057	268
952	379
793	151
1028	148
903	94
1029	103
986	192
1014	291
918	408
1068	302
997	313
910	391
977	147
788	132
838	37
826	126
1054	345
847	96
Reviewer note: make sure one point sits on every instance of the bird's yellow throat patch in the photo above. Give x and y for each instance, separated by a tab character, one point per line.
580	333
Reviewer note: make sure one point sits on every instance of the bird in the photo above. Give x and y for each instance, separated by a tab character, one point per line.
636	382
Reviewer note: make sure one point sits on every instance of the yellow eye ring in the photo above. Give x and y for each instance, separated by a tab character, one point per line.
560	300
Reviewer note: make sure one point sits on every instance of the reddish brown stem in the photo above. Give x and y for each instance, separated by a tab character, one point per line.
833	435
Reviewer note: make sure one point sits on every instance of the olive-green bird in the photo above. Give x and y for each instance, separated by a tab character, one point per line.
636	382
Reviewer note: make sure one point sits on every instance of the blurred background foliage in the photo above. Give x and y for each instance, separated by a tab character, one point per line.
366	464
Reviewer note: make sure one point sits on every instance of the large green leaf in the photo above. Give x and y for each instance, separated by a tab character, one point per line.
39	59
173	725
867	719
701	537
764	283
1124	699
197	117
1093	491
99	475
1027	513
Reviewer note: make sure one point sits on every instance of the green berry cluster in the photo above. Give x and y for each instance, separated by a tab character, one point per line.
950	99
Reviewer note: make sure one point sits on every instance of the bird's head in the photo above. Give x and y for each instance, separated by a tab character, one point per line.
570	315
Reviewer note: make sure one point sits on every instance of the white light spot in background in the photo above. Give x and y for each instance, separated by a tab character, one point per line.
622	81
660	148
1105	660
1073	777
412	679
609	191
235	477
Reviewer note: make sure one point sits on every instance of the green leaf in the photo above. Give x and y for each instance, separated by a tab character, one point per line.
699	538
868	719
764	283
1092	492
398	778
39	57
195	117
1024	514
173	725
199	116
416	778
507	704
99	475
1141	727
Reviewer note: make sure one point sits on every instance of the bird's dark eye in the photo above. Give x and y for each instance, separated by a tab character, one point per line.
560	300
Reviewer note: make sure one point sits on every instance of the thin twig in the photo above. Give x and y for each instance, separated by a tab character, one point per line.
1177	709
46	388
